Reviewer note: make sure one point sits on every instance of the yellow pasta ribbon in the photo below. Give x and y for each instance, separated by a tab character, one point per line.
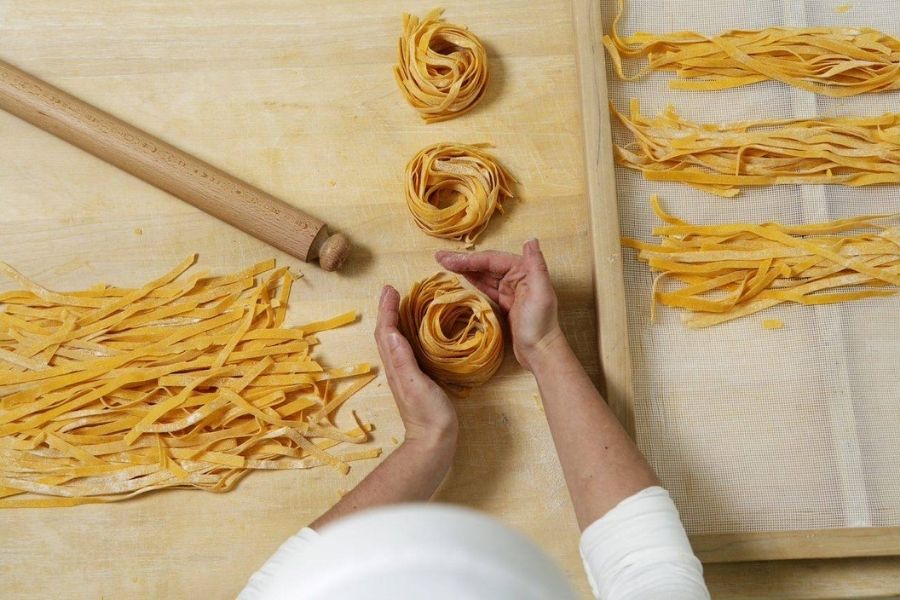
718	159
831	61
454	332
107	393
442	69
735	270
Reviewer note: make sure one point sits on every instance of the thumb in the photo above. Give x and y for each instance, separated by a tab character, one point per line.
534	258
402	357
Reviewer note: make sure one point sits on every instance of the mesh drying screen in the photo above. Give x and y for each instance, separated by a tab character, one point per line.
751	429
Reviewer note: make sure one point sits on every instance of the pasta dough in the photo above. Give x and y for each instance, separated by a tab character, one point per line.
452	190
107	393
731	271
853	151
832	61
442	69
453	331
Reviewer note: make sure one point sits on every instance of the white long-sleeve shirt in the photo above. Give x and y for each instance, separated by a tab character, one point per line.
637	551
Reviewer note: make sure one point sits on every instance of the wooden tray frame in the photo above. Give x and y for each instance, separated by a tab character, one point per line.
615	354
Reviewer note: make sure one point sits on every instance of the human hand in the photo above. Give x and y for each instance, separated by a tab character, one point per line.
521	286
428	415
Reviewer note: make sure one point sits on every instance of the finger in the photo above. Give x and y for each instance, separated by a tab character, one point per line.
486	283
534	258
388	310
406	372
387	361
388	317
489	261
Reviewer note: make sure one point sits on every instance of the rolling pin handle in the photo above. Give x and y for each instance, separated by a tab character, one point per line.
331	250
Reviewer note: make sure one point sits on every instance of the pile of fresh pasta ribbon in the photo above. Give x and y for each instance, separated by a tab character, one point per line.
831	61
108	392
734	270
739	269
855	151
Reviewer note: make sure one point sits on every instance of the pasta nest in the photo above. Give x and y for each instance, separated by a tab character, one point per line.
442	69
454	332
453	190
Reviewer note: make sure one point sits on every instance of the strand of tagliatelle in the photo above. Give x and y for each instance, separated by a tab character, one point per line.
738	269
718	159
831	61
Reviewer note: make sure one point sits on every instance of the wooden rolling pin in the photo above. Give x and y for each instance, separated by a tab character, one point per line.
226	197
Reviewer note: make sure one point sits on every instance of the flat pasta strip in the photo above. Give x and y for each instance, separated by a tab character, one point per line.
454	332
108	393
731	271
719	159
453	190
831	61
442	68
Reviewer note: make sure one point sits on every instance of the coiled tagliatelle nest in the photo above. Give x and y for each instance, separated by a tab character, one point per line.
443	67
453	331
452	190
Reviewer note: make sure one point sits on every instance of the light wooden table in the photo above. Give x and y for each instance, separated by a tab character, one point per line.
299	99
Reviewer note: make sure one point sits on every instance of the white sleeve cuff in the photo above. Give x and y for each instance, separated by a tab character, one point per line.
639	550
287	557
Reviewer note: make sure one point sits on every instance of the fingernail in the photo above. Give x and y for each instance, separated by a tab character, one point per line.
530	244
384	291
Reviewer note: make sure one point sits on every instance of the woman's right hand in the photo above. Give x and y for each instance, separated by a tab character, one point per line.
521	286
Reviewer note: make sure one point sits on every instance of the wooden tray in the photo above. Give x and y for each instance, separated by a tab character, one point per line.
615	353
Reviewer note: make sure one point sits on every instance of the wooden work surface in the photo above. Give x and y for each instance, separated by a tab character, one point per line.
299	99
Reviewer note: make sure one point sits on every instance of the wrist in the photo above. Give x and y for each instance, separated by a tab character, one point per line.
549	347
555	359
429	458
438	442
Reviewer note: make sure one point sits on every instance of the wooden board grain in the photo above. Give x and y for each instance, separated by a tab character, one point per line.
851	578
600	183
844	542
298	98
